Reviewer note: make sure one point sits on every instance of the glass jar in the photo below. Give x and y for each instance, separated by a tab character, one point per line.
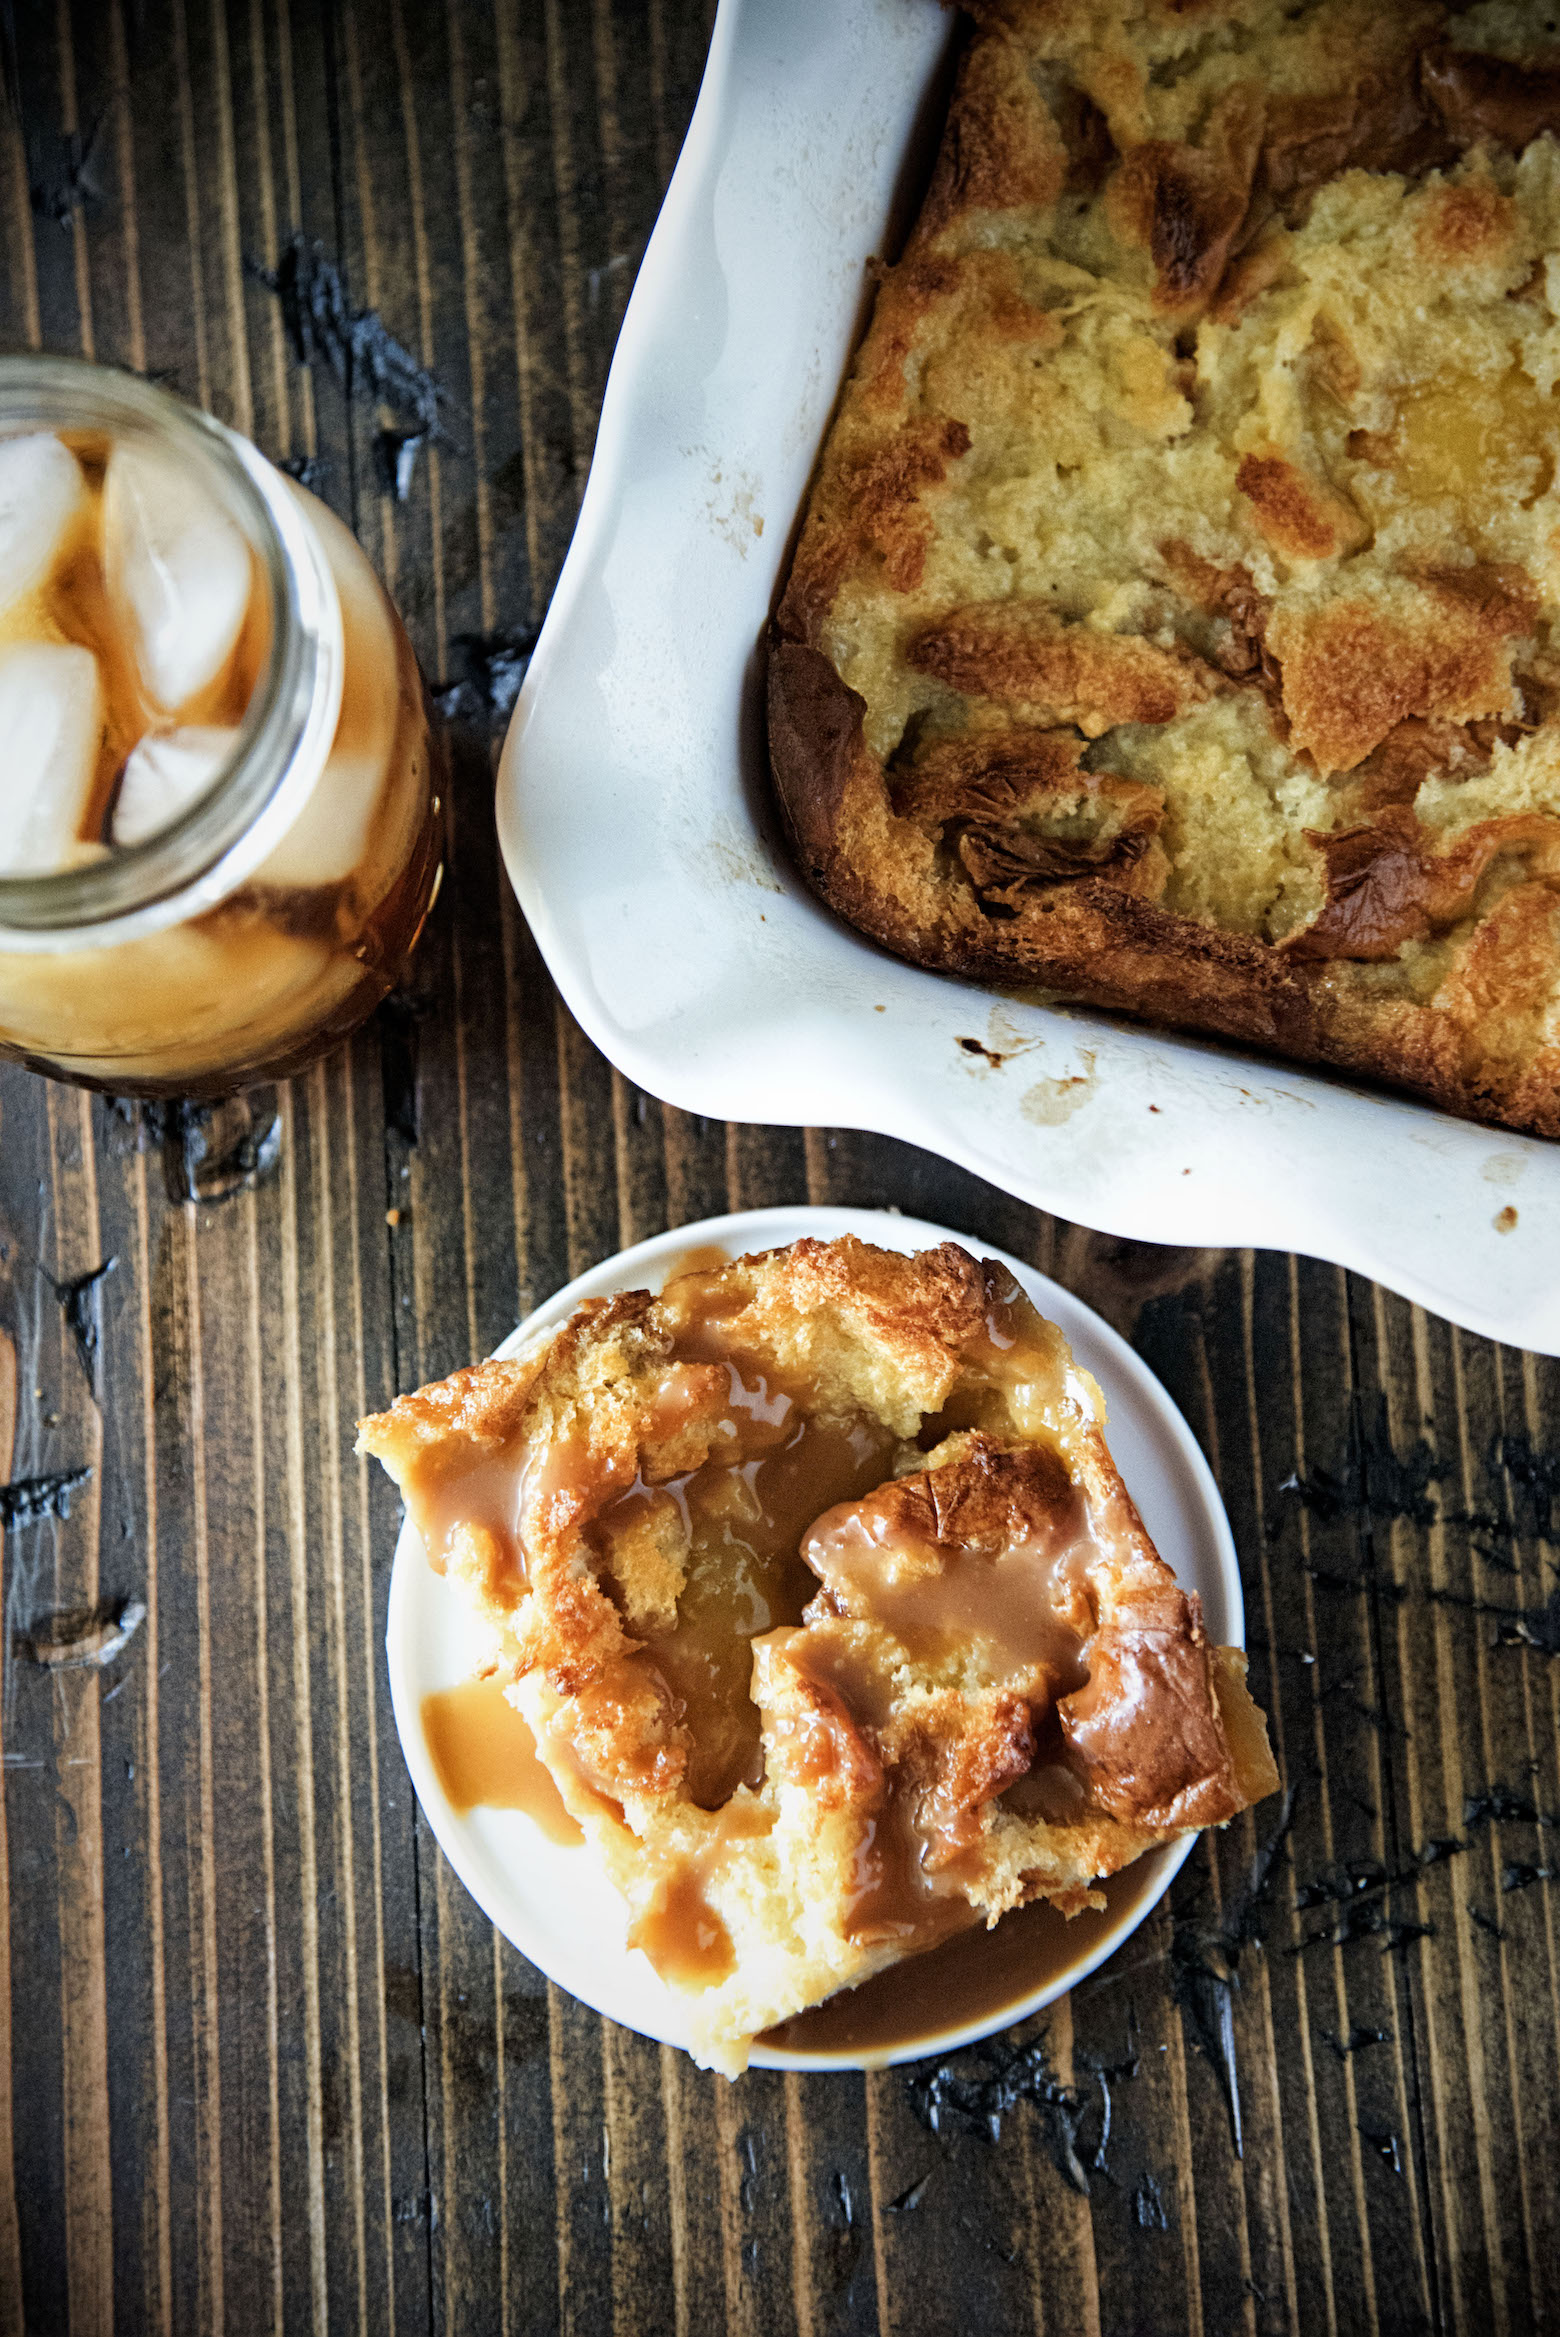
270	916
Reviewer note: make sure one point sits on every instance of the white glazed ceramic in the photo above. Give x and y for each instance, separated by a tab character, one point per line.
550	1901
632	795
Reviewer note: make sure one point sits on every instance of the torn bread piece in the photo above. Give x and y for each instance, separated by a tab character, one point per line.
830	1614
1175	619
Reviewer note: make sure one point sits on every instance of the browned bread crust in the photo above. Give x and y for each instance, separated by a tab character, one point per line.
1172	624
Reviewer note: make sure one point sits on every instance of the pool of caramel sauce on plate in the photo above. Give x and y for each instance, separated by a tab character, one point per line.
484	1756
699	1258
976	1975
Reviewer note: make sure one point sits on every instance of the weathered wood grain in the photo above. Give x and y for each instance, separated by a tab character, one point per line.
262	2064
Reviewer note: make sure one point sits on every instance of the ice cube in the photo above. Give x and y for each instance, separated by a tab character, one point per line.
177	567
330	835
41	492
168	772
51	726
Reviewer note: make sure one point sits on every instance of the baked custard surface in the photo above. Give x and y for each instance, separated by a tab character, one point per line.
1172	624
833	1621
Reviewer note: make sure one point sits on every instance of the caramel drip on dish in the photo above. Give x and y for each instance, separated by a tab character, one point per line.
684	1936
700	1258
972	1976
482	1494
485	1757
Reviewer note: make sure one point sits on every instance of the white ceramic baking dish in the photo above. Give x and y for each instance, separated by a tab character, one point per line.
633	798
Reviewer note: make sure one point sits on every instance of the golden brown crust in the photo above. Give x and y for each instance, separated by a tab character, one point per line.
1386	883
1301	518
1214	395
1051	672
1186	204
1001	150
1089	938
1147	1731
1351	674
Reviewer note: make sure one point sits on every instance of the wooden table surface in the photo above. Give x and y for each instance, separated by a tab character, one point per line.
264	2065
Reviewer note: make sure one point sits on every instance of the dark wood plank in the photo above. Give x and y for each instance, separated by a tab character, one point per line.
262	2064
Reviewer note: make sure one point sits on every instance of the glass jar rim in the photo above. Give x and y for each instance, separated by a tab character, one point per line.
209	849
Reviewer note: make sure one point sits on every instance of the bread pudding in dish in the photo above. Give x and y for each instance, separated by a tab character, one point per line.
832	1619
1173	621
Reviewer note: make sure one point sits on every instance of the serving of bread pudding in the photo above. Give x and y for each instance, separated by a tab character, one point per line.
833	1621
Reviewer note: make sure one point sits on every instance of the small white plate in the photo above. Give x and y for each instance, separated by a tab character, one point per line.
634	801
551	1902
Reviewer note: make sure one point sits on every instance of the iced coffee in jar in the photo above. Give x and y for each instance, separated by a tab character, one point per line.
218	785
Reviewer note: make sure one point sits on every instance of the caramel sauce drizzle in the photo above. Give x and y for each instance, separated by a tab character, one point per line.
1001	1605
485	1494
745	1518
682	1934
485	1757
1008	1606
685	1937
973	1975
895	1892
745	1510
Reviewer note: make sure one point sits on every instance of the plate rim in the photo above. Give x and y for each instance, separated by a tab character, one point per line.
449	1828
